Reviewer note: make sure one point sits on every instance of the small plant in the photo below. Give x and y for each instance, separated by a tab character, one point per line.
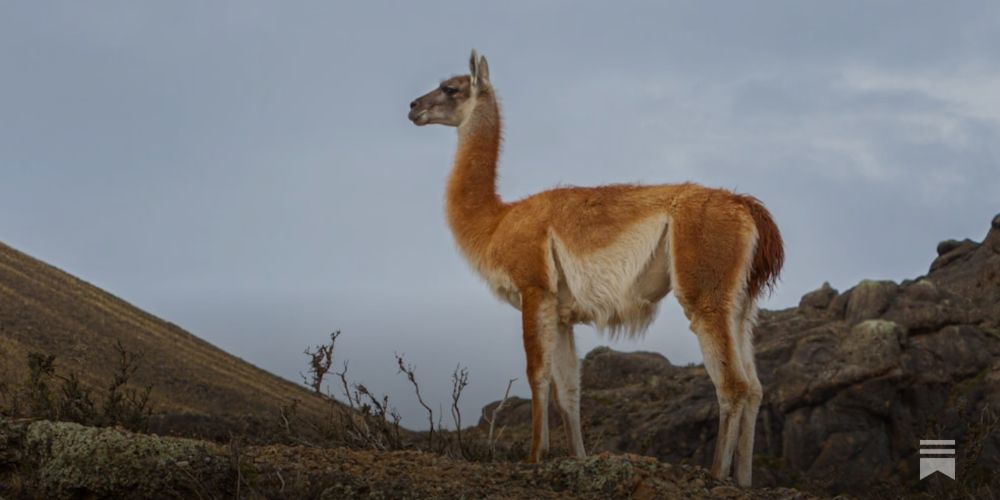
46	394
320	361
411	375
75	401
491	441
41	369
369	422
124	405
459	379
365	420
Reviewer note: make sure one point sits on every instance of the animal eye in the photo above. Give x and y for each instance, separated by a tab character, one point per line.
449	90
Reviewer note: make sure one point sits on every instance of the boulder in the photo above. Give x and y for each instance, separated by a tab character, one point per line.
819	298
992	240
869	299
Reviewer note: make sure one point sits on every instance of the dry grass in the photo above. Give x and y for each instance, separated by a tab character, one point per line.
45	310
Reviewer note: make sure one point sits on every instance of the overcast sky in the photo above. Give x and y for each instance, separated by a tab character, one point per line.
246	170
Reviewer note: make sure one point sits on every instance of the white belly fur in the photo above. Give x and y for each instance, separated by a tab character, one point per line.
616	288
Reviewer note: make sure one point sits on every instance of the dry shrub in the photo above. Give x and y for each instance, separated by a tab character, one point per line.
47	394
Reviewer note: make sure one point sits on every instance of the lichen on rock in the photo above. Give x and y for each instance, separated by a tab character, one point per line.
70	460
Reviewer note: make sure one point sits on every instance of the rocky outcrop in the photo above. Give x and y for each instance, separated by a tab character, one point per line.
852	382
41	459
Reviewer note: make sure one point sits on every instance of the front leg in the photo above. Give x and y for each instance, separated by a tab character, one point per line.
540	329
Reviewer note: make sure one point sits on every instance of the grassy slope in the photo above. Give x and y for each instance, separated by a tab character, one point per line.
43	309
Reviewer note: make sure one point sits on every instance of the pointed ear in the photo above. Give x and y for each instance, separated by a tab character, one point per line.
473	60
483	73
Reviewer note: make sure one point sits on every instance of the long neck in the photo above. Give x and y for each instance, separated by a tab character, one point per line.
472	203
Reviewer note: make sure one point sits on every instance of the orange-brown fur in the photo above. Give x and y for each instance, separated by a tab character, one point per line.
724	250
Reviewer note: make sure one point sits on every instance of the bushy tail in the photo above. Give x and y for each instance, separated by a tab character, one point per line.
770	253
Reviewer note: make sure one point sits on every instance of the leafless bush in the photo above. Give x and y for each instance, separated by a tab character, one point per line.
455	443
491	441
409	371
292	428
37	394
365	420
459	379
76	403
320	361
47	394
125	405
369	421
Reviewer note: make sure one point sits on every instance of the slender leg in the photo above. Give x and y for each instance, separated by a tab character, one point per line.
724	366
539	319
566	381
710	253
748	422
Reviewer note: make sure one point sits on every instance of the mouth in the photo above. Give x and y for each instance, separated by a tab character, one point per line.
418	118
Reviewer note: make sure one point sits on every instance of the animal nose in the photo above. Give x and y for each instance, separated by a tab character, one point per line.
413	104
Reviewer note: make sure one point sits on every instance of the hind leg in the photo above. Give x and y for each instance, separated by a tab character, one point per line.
566	387
714	331
748	421
711	249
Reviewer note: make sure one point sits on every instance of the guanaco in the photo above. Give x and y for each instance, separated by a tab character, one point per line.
606	256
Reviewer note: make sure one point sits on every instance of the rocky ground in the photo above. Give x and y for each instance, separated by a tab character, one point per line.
62	460
853	380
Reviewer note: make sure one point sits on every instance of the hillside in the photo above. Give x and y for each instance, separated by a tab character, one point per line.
853	381
43	309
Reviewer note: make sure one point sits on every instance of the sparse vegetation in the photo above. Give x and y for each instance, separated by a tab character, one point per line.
50	395
360	419
411	375
199	390
459	379
491	439
65	460
368	421
320	361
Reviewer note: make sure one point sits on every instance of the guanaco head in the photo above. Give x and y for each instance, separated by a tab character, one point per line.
452	102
